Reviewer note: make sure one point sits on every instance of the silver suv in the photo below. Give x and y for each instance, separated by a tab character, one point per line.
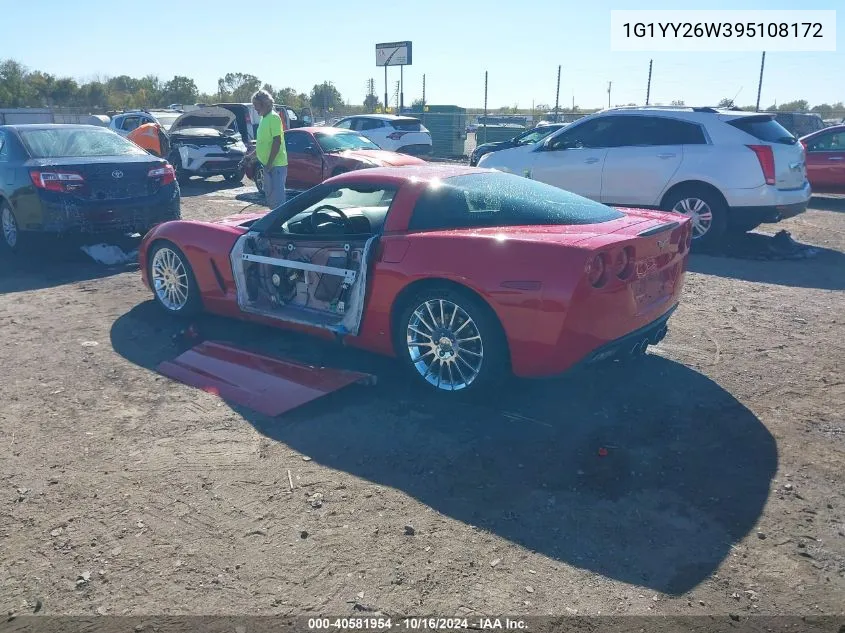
726	169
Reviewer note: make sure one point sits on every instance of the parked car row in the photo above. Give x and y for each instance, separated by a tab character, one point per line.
725	169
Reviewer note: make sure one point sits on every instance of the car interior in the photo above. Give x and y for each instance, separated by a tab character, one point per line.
311	268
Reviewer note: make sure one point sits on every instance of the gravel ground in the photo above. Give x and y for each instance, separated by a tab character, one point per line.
721	491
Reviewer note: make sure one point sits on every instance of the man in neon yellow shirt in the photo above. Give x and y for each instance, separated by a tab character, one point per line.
270	149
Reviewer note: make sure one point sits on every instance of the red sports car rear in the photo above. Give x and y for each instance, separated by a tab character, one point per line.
464	274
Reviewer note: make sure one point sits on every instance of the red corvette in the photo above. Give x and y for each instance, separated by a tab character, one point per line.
463	273
317	153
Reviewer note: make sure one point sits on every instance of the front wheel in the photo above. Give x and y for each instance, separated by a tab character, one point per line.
238	176
172	279
452	341
706	210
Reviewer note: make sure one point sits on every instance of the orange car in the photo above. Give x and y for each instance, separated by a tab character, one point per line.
151	137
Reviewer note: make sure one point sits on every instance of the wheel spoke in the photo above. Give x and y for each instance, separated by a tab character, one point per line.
428	307
420	332
423	321
471	338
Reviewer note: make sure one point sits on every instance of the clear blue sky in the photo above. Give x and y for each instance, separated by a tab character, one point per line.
520	44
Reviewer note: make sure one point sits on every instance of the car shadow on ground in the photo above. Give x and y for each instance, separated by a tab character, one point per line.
828	203
757	257
684	473
50	262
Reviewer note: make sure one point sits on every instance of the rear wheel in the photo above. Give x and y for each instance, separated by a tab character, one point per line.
450	340
706	210
11	233
172	279
238	176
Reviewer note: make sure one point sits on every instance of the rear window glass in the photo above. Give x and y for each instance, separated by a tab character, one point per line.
497	199
71	142
406	125
765	129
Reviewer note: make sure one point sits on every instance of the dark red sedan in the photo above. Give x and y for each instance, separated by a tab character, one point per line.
826	159
317	153
465	274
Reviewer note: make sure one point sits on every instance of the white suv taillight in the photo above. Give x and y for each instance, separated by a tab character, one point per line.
767	161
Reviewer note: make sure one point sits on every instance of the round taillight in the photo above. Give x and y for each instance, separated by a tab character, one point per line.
623	264
597	270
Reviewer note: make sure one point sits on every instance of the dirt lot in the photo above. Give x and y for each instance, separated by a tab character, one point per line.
721	492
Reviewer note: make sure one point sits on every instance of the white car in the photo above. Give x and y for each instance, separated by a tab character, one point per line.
402	134
124	123
205	142
728	170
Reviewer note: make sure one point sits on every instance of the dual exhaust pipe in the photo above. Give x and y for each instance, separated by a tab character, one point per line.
640	347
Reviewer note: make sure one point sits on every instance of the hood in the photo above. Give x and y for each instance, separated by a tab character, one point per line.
382	157
240	219
215	118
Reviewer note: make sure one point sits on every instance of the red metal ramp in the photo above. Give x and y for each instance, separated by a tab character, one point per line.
268	385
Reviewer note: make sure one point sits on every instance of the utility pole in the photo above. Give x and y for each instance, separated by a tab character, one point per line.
401	88
396	95
485	106
609	84
423	89
648	90
557	93
385	87
760	84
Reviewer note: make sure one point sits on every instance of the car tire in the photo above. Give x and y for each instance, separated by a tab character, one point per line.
707	209
259	178
481	361
181	175
236	177
10	240
167	264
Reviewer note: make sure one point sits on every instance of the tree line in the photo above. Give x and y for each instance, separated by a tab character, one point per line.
21	87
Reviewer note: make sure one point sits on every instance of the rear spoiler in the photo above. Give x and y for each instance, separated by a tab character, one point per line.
660	228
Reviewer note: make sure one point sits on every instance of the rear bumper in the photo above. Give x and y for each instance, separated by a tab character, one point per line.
758	215
766	203
130	216
650	334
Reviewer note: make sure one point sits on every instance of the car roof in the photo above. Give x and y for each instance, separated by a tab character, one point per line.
406	173
384	117
50	126
324	129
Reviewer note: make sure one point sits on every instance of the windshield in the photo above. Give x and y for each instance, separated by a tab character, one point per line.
535	135
342	142
500	200
72	142
167	119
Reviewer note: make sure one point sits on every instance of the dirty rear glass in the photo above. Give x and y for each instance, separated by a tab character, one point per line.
765	129
497	199
76	143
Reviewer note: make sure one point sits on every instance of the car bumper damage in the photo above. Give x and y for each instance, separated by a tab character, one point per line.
634	343
69	216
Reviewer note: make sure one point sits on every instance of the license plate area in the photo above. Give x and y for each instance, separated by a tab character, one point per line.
654	288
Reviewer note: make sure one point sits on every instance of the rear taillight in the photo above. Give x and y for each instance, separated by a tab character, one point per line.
767	161
395	136
623	264
166	173
597	271
57	180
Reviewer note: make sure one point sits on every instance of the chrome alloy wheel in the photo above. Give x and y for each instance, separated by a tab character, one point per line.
445	344
170	279
10	228
699	212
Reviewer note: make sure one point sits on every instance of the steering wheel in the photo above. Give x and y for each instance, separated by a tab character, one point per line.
325	210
